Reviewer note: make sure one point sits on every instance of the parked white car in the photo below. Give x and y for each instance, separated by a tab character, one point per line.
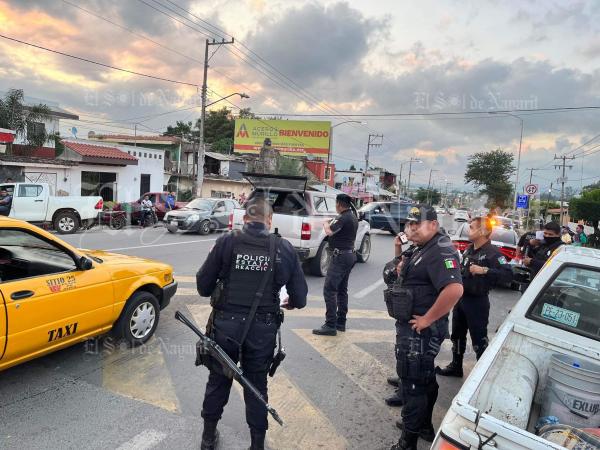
33	203
500	402
461	216
299	215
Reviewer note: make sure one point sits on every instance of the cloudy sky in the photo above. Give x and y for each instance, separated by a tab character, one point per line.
330	57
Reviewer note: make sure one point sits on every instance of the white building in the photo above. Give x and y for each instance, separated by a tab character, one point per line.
116	172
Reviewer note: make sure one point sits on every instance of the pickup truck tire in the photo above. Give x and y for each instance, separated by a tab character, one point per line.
320	263
363	253
66	223
139	319
204	228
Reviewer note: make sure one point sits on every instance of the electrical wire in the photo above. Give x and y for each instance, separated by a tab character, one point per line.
108	66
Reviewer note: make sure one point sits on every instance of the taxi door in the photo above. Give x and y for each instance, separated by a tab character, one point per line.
3	327
54	310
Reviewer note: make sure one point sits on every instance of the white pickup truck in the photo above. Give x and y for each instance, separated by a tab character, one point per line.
299	215
500	402
32	202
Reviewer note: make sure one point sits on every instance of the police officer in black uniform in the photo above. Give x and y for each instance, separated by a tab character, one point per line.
342	234
431	286
541	254
233	276
483	267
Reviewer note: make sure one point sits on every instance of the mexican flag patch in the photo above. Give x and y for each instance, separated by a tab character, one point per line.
450	263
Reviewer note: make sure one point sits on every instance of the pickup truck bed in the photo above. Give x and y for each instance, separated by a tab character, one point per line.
299	215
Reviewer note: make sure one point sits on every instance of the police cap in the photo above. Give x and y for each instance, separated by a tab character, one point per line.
421	212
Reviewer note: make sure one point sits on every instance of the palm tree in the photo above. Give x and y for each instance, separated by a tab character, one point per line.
17	116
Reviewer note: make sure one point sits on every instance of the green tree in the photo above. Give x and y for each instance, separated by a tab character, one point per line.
181	128
490	172
587	208
431	196
352	167
21	118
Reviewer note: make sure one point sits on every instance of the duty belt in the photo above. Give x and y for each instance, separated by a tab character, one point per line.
337	251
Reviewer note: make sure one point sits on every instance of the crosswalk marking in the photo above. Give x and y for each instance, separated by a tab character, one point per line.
305	425
363	369
141	373
144	441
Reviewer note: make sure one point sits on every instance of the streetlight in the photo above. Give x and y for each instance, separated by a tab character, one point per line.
518	160
200	155
331	145
411	160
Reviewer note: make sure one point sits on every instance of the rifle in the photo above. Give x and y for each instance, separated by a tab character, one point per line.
230	368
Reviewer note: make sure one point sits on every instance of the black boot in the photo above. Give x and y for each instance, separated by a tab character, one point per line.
340	326
257	440
427	433
394	381
454	369
210	436
325	330
395	400
408	441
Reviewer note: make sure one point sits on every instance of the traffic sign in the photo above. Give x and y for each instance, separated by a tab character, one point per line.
523	201
531	189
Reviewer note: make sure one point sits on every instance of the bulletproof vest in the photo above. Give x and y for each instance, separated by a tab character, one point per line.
417	279
250	262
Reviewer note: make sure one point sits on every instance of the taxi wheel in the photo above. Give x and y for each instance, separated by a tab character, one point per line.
139	319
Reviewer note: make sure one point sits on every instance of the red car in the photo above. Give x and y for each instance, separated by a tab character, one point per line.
158	199
505	239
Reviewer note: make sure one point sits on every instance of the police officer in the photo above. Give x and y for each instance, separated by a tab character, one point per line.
541	254
342	234
238	276
483	267
431	286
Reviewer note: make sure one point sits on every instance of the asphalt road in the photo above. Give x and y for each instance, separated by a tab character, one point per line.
329	390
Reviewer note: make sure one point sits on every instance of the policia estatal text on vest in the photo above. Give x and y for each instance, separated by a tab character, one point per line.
430	287
483	267
341	234
243	274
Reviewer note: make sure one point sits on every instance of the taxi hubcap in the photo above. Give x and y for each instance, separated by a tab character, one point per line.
66	224
142	320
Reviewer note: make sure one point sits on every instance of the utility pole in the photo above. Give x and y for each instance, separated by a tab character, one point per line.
548	200
562	181
429	183
371	143
201	147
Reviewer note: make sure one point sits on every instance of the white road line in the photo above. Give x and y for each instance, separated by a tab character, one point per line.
366	291
159	245
144	441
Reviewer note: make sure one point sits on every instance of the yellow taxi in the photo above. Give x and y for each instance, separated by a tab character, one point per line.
53	295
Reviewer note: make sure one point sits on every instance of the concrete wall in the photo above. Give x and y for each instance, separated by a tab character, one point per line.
217	185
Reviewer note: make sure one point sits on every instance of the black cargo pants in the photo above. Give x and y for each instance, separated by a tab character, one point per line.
257	354
335	290
415	355
470	314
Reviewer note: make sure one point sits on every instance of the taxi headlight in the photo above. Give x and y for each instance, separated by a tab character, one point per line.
193	218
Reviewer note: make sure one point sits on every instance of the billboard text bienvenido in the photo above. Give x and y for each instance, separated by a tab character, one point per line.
290	137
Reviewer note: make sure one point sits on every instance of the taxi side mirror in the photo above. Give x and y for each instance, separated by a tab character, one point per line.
84	263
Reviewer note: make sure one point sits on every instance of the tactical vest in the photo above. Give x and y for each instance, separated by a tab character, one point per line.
250	262
424	293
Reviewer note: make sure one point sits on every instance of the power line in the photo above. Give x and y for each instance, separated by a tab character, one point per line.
108	66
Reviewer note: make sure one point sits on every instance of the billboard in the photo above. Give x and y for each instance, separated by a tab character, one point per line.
290	137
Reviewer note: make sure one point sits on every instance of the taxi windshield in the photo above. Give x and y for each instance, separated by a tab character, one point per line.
200	204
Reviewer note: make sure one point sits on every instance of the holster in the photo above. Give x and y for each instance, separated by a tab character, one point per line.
217	298
399	302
